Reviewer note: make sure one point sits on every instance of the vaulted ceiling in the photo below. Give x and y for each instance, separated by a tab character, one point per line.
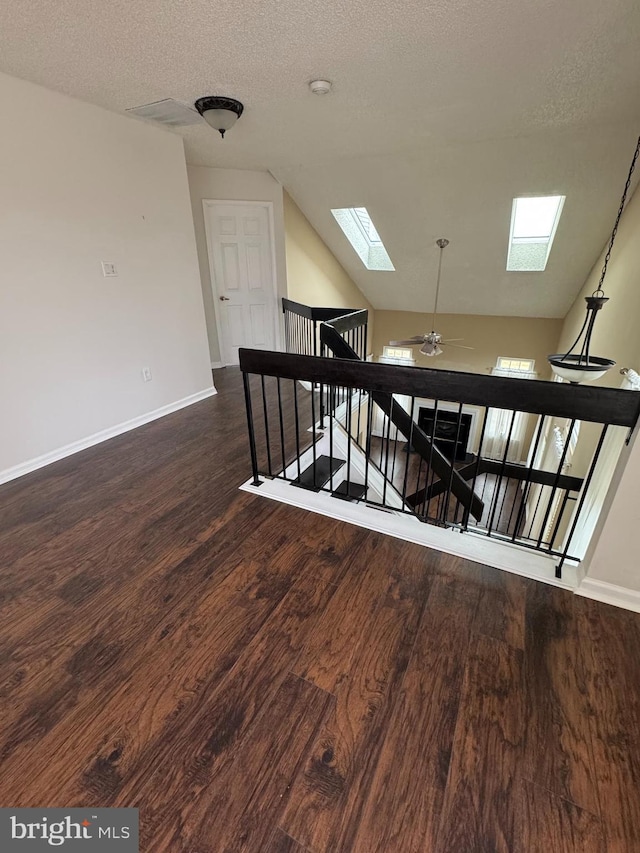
441	113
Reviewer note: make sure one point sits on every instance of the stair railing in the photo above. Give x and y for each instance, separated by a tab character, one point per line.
302	324
533	507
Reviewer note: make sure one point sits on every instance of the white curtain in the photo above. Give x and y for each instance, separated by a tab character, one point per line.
502	426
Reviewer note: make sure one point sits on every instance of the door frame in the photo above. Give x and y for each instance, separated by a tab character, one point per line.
208	203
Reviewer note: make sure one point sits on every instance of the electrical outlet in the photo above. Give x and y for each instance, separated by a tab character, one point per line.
146	374
109	269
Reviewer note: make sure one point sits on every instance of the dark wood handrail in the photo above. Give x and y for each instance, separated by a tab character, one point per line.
600	405
352	320
320	315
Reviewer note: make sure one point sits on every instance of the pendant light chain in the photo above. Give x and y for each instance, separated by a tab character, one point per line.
599	291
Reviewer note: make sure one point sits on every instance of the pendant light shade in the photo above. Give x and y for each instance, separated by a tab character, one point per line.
220	113
577	367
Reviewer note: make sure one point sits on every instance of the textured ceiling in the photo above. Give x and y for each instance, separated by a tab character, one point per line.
440	113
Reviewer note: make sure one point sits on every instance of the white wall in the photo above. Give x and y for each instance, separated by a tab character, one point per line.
233	185
80	185
613	556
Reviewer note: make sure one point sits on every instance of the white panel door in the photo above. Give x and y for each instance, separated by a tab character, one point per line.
240	246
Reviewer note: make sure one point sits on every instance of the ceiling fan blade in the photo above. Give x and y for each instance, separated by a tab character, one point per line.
410	342
450	340
457	346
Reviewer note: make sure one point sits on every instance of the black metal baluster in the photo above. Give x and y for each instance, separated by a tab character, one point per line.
367	454
505	492
408	455
556	526
295	409
282	448
518	493
386	456
430	474
419	504
554	488
585	488
381	438
393	460
313	433
266	427
535	512
527	486
467	509
331	393
453	458
496	494
252	437
349	427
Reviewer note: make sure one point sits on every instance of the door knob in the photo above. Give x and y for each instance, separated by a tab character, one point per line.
224	299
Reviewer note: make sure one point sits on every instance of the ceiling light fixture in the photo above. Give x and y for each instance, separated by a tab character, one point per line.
320	87
578	365
221	113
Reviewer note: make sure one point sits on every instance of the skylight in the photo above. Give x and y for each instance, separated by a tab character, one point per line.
361	233
533	226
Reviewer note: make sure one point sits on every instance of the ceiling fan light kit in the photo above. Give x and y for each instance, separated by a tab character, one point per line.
577	364
219	112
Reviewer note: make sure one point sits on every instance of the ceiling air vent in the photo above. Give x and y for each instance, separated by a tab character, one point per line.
168	112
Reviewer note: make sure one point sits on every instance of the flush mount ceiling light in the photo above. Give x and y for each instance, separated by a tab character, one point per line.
577	364
221	113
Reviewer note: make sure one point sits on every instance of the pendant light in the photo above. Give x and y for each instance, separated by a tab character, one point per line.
577	364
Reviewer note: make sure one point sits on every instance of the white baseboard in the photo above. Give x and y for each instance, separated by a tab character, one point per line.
104	435
610	593
216	365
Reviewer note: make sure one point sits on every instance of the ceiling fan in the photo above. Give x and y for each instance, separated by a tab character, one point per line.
433	342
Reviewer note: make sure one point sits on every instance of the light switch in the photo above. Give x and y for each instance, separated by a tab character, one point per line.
109	270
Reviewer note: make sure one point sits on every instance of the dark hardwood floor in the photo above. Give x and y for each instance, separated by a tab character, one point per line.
256	678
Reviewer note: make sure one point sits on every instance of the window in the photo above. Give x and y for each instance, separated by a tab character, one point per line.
515	365
396	352
505	430
534	222
363	236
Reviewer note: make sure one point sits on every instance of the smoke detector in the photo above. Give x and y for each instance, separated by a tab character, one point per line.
320	87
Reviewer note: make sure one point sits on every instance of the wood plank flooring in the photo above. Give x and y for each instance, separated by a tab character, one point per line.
255	678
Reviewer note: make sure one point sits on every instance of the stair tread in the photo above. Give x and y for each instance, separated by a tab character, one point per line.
318	474
349	491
